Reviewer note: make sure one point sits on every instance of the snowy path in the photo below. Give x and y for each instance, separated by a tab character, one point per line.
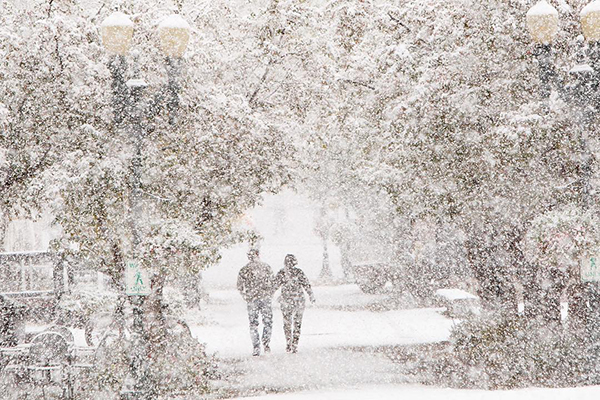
341	318
416	392
336	348
339	355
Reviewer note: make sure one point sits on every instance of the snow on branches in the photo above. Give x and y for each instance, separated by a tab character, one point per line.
560	238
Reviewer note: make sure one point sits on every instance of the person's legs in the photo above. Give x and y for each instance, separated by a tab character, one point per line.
253	319
297	315
286	312
267	319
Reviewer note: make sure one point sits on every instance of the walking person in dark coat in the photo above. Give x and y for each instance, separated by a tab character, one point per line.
254	283
293	283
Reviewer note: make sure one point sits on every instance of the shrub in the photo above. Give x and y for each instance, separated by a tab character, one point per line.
510	353
179	367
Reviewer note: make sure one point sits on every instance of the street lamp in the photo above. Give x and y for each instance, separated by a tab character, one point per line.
117	34
584	94
583	89
542	22
590	21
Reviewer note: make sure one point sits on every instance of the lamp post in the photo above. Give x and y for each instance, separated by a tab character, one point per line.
130	110
582	92
542	21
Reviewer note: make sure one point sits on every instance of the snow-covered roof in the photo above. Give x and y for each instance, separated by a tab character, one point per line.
117	19
594	6
542	8
174	21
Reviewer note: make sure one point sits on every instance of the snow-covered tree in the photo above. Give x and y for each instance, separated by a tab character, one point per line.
437	105
60	144
62	151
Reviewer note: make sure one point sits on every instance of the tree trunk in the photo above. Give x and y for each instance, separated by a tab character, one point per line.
533	297
158	327
540	301
116	272
3	228
577	307
345	261
551	297
496	291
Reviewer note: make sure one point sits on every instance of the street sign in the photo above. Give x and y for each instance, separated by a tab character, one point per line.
590	269
137	282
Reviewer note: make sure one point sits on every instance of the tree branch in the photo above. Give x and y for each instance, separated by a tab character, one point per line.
396	20
358	83
262	80
17	178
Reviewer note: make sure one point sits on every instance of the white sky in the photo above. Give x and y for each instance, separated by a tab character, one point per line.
286	222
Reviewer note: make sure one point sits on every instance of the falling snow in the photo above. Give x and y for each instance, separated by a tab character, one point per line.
299	199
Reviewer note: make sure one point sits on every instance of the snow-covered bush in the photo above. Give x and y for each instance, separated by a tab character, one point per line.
180	367
560	238
183	367
88	302
511	353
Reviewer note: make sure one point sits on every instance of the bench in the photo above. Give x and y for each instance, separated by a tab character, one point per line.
49	359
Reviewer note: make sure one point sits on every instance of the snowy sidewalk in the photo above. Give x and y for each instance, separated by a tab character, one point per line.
336	348
416	392
340	318
343	352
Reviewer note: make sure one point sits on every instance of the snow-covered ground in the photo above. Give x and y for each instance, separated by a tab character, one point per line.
340	336
416	392
340	354
341	318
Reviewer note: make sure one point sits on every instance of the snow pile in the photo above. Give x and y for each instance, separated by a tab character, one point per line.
174	21
593	7
542	8
117	19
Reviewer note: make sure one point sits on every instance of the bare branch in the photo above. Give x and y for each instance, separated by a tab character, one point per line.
262	80
358	83
396	20
20	177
